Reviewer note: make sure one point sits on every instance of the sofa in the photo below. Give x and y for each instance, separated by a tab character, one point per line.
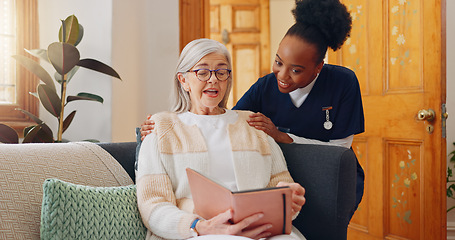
327	173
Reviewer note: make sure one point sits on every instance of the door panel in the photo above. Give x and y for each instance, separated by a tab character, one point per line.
402	188
246	72
404	42
243	26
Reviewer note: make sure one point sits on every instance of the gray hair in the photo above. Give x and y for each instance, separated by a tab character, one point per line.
190	56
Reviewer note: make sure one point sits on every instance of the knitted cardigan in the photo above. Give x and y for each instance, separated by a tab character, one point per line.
164	197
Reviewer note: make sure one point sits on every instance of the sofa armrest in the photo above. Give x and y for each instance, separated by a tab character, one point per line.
328	174
24	168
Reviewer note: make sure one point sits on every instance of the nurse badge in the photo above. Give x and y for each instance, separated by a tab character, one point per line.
327	124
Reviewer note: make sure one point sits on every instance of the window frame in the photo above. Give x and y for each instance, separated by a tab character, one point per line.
27	38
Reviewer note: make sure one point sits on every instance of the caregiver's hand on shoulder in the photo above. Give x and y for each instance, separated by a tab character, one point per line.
298	195
261	122
220	225
147	127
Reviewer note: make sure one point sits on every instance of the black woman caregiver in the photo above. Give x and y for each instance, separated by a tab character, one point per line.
305	101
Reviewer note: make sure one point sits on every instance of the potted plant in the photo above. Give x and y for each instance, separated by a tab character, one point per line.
451	187
65	58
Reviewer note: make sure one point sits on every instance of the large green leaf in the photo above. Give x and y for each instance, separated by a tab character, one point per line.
28	129
31	134
43	135
62	33
37	134
85	96
98	66
31	116
50	100
81	34
36	69
44	126
450	190
68	120
34	94
70	27
47	130
63	56
39	53
8	135
69	75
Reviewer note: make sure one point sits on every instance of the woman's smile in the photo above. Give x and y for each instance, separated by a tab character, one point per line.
283	84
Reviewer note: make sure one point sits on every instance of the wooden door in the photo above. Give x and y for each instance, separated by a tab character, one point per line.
245	24
396	49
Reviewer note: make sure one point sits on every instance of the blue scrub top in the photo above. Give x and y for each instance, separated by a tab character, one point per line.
336	89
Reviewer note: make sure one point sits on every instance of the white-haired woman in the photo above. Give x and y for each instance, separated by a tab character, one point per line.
200	133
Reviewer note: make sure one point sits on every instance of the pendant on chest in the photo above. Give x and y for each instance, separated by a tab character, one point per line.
327	124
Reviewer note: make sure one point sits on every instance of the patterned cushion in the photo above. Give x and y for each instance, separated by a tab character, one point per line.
71	211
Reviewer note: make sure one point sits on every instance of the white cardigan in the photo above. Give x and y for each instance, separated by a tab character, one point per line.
164	197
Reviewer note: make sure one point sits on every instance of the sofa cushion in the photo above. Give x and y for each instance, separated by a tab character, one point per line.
71	211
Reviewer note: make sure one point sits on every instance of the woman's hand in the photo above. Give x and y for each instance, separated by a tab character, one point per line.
147	127
220	225
298	198
261	122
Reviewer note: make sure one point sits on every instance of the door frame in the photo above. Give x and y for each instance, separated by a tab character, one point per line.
194	20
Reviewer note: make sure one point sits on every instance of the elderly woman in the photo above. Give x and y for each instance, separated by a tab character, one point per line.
200	133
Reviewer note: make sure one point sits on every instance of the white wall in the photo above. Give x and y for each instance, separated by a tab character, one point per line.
145	51
92	120
281	20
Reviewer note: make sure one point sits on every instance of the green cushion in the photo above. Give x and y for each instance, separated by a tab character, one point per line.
71	211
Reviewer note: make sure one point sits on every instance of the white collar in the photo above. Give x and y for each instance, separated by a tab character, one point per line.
299	95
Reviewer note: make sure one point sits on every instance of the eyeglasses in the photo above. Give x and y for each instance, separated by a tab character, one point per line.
221	74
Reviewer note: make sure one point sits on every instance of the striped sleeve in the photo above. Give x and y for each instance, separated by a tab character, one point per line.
155	195
280	171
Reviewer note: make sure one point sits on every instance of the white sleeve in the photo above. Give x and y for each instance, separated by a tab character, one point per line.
345	142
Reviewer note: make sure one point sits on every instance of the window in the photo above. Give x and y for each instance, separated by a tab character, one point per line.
18	31
7	48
